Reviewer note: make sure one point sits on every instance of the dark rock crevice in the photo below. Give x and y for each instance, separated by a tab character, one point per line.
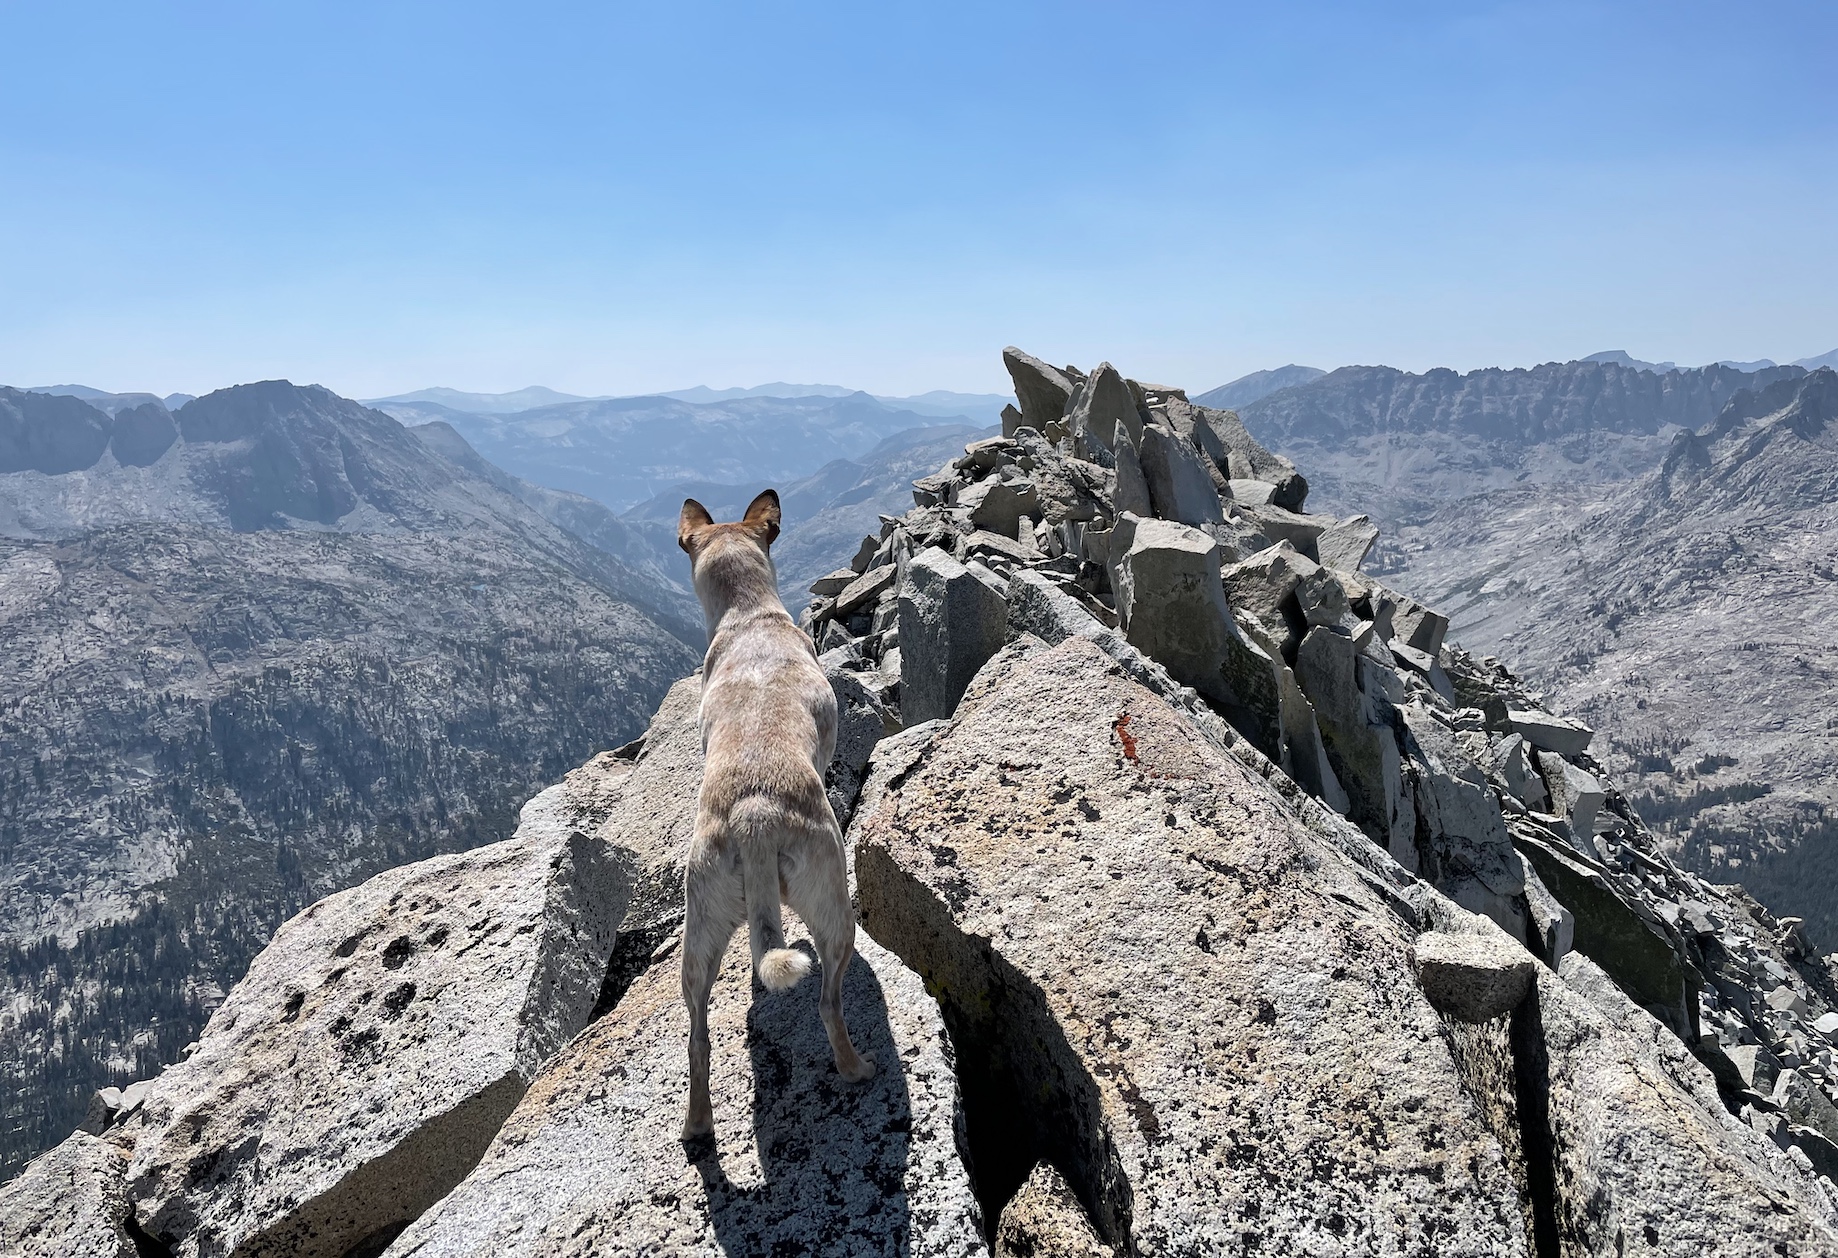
373	1245
145	1246
634	951
1505	1068
1026	1097
1532	1101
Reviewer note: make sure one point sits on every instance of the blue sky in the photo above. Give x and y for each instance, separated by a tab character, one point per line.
612	198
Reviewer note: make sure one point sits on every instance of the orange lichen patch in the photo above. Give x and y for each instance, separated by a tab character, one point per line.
1122	727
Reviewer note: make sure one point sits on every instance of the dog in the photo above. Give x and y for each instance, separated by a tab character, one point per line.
764	826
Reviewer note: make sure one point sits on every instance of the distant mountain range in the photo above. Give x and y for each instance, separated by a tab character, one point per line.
763	441
255	651
110	403
981	408
622	451
827	513
1692	612
1623	358
1261	384
482	403
1400	444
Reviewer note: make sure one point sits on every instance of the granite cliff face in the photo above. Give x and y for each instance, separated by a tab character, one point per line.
1214	904
252	652
1399	445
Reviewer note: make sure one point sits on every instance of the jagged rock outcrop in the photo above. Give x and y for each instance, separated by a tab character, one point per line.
363	1064
951	618
1042	390
1149	961
862	720
1236	455
71	1202
1474	977
1117	925
1643	1148
1583	520
1045	1220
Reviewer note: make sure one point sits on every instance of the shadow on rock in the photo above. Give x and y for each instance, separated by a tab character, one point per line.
832	1155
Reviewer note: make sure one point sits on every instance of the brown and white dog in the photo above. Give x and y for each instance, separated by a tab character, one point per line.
764	827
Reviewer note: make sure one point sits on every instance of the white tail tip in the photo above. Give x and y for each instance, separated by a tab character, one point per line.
782	968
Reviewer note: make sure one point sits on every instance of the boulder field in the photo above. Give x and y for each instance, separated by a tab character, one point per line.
1211	903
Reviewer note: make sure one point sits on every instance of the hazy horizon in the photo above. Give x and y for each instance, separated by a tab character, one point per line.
760	388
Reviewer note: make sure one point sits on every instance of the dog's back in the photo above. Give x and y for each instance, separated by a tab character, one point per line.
764	827
768	730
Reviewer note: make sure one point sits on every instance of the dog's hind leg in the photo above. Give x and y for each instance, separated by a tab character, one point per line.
820	895
710	916
761	824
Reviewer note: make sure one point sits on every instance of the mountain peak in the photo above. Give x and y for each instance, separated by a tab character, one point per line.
243	410
1621	358
1259	384
49	433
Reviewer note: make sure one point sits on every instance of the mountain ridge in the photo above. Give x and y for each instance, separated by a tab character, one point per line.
1258	384
1400	443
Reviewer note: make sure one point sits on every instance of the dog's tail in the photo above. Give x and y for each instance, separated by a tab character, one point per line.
778	967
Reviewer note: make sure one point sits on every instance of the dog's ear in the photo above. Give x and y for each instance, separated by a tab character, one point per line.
695	516
763	515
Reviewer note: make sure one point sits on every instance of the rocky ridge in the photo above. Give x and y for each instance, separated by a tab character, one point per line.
1334	685
1213	903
